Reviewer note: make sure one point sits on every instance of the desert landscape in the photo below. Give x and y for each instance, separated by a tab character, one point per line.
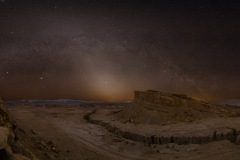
154	126
119	80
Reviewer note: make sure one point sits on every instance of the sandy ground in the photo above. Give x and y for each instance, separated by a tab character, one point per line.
76	139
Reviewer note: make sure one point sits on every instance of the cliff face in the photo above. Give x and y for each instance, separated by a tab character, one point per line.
7	137
160	108
160	118
157	98
4	116
5	127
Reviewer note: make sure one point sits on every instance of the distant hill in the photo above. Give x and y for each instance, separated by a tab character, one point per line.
61	102
232	102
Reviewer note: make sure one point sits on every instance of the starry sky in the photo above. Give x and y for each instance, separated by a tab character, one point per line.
106	49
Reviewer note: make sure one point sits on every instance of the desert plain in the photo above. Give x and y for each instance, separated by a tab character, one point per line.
126	130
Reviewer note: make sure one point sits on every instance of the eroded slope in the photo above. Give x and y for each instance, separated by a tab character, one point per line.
152	107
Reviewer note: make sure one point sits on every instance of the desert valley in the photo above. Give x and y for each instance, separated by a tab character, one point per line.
119	80
154	126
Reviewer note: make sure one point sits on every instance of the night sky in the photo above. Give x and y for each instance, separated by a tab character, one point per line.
106	49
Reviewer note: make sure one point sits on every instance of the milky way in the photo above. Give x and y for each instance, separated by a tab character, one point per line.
104	50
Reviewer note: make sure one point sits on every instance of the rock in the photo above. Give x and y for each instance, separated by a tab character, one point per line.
4	133
5	147
154	107
156	97
7	137
116	140
19	157
32	131
4	117
157	108
238	140
11	138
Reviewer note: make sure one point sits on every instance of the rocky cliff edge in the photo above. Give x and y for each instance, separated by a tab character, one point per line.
8	140
153	107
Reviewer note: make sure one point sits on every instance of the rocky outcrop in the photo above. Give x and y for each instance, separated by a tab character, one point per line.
7	137
155	97
187	121
238	140
152	107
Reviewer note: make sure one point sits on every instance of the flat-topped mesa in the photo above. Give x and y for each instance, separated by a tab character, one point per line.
160	118
153	107
157	98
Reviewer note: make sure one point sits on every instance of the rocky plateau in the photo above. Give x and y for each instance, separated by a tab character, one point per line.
160	118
